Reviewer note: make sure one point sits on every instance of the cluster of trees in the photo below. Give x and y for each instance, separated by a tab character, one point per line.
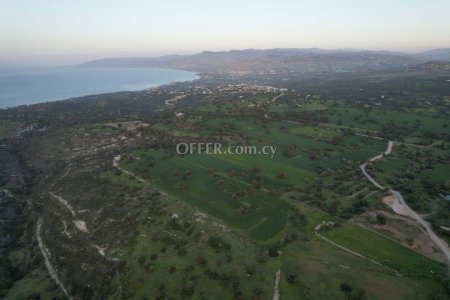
351	293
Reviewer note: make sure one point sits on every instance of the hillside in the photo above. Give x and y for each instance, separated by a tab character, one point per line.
276	60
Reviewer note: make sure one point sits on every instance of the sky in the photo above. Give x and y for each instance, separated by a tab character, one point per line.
68	31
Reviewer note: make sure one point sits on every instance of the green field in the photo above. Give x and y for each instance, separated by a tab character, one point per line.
263	200
387	252
230	198
244	190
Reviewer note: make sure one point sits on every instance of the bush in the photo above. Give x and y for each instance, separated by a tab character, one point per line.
273	252
381	219
187	291
218	244
201	261
346	288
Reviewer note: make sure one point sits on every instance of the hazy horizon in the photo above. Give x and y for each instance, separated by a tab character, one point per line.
67	32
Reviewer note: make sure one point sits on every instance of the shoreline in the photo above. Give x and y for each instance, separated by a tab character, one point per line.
75	98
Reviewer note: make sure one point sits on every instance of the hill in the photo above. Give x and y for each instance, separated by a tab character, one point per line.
442	54
277	60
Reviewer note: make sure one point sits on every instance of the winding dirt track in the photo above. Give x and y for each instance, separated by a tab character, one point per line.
363	166
425	224
46	254
116	162
276	289
405	209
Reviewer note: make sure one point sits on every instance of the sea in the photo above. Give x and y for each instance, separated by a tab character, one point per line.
24	86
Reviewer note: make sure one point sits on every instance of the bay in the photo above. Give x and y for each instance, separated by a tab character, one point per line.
23	86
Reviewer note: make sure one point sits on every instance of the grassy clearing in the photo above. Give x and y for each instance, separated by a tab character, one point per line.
229	198
35	283
314	132
406	261
441	172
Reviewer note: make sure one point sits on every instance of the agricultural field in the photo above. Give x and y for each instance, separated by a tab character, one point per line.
244	190
160	224
275	203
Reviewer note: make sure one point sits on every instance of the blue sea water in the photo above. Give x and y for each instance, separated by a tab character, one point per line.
30	86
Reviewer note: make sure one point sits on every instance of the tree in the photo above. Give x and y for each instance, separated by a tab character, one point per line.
381	219
346	288
187	291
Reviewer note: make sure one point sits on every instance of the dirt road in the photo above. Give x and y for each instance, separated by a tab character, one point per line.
401	207
46	254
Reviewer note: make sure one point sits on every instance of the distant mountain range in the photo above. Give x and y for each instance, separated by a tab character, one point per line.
280	60
442	54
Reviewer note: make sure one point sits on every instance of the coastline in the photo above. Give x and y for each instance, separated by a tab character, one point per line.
150	86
